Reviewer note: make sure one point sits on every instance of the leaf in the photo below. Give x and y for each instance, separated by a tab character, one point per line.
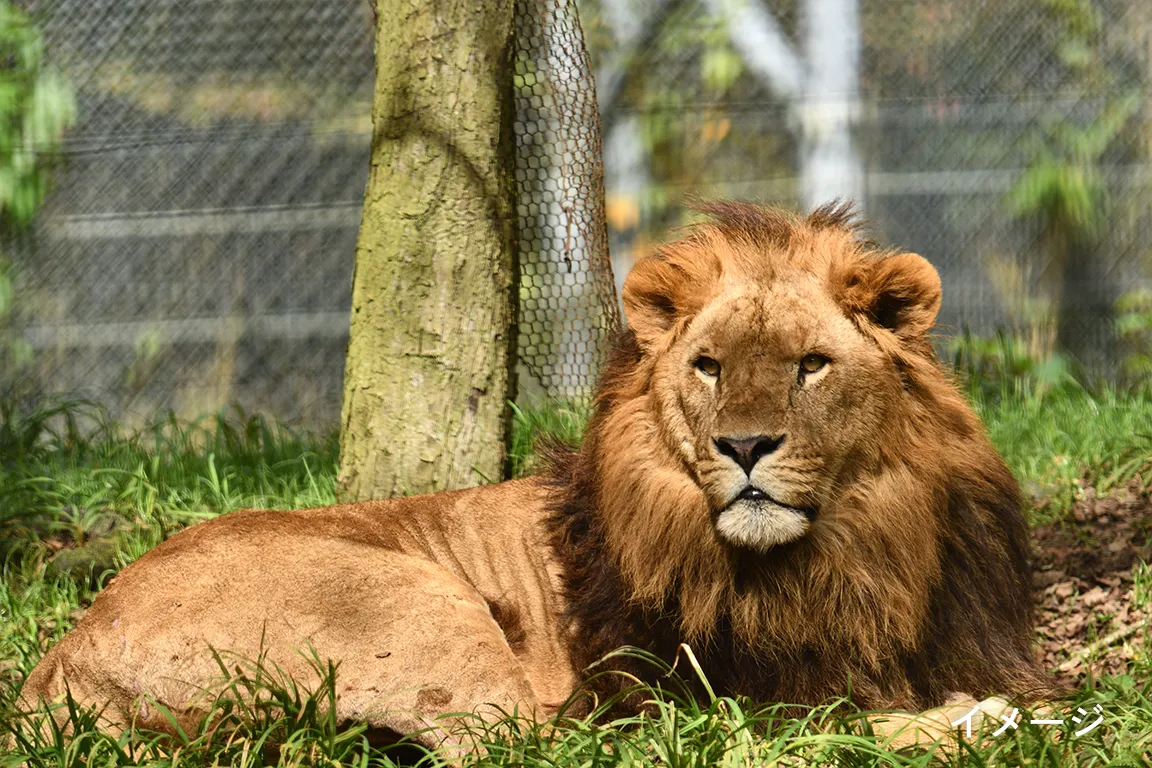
37	106
622	212
1076	54
720	66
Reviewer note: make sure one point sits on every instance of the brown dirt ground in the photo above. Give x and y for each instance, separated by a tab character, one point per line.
1083	583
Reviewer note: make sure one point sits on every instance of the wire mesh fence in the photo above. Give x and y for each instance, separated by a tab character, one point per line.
197	247
567	296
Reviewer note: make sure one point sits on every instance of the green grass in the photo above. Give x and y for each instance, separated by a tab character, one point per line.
79	500
563	423
1054	439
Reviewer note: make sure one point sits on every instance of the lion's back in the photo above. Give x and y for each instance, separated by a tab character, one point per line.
384	588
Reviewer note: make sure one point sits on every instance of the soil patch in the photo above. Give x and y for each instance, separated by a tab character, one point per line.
1087	619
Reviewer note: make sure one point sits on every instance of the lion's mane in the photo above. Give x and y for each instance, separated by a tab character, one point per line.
861	612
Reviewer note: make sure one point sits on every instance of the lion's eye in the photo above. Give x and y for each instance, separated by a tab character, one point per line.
707	366
812	363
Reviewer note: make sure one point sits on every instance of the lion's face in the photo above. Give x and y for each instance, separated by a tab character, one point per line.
769	392
774	366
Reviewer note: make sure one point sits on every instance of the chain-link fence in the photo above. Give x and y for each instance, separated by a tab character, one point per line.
198	246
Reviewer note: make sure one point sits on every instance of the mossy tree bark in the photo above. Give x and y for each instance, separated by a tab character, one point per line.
432	346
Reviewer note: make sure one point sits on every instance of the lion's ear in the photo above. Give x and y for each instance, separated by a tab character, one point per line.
650	293
900	292
666	288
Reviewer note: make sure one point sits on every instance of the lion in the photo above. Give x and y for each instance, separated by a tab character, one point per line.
777	474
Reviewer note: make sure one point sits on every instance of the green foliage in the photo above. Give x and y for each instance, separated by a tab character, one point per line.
1057	441
720	64
36	107
1134	327
66	466
532	428
1062	191
1142	586
1062	184
28	432
260	717
1078	22
263	718
996	366
15	353
1054	432
34	608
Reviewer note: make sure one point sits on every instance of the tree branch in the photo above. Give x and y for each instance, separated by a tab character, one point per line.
1090	650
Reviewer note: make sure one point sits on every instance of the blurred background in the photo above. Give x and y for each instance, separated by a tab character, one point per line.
184	180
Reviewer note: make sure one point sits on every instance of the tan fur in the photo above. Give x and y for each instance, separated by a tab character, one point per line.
404	594
887	503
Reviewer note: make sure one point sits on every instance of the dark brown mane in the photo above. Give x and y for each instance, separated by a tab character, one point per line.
974	637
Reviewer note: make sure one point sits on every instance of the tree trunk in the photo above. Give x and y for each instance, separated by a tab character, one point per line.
1085	323
427	382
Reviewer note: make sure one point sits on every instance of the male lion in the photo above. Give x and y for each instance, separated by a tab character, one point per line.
778	473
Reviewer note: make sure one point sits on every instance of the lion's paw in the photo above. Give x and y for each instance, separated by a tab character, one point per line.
961	717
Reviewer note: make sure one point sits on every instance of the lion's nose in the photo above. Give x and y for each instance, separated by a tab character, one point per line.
748	451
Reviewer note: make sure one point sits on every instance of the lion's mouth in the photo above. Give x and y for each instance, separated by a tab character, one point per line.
756	520
754	494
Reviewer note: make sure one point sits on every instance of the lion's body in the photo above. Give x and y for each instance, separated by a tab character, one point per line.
778	473
401	593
